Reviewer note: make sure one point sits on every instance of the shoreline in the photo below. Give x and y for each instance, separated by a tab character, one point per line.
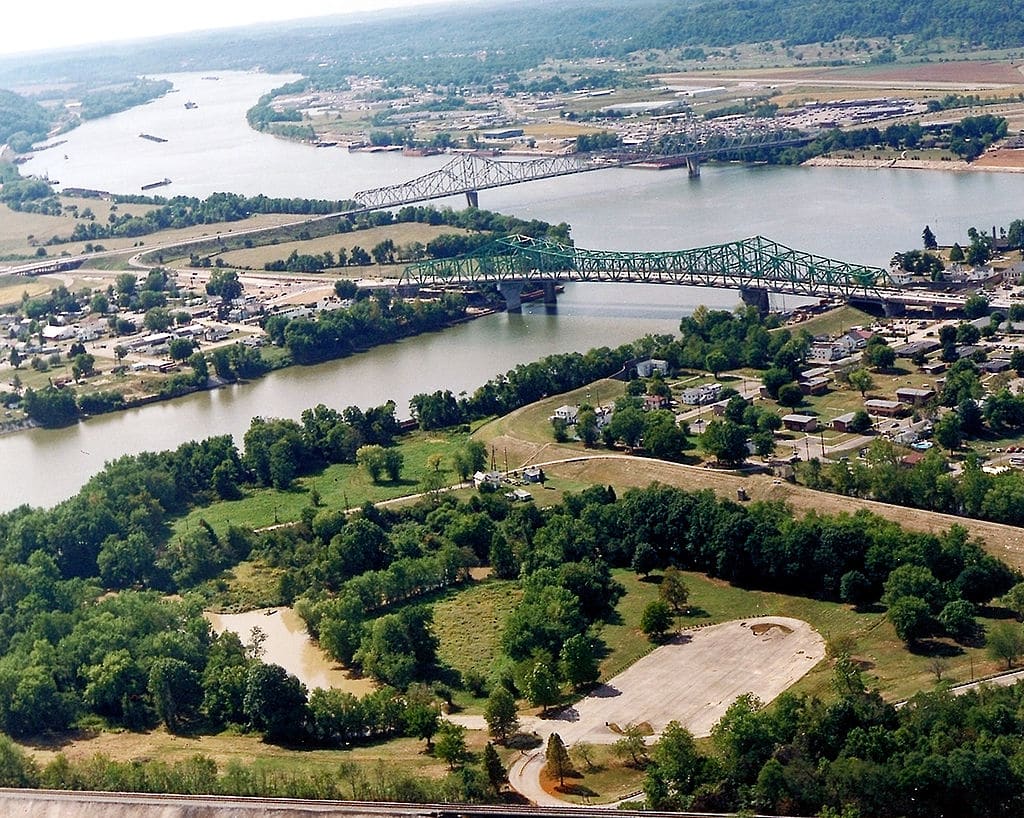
955	166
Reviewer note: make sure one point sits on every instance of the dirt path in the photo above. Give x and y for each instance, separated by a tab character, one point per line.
627	471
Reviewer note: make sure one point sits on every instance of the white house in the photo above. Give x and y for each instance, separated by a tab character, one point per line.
648	367
700	395
567	413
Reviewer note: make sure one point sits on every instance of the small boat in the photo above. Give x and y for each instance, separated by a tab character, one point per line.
160	183
190	105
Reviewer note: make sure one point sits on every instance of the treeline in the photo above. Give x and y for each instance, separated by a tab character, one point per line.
187	211
110	100
367	323
712	339
941	754
22	121
967	138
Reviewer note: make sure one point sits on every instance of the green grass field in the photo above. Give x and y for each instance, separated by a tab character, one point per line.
469	623
343	485
886	662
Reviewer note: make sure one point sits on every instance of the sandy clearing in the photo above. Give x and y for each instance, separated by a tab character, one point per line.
288	644
695	678
692	680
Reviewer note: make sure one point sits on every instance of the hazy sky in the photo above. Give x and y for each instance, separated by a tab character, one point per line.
42	25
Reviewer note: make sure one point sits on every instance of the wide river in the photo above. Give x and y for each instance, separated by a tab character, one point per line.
856	215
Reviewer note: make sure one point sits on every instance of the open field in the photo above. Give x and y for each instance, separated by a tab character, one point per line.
225	748
15	228
342	485
404	233
469	622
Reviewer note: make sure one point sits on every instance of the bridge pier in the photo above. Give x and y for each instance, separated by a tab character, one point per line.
550	294
693	167
472	198
755	297
894	309
511	291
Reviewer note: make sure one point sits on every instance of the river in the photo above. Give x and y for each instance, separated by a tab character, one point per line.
857	215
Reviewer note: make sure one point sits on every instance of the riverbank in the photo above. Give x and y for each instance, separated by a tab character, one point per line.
1007	160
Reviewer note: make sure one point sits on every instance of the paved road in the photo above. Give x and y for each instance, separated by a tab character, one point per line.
692	680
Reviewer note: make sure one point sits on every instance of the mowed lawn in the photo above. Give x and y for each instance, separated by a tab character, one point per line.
885	660
342	485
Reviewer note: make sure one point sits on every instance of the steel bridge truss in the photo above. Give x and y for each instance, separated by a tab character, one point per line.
470	172
754	263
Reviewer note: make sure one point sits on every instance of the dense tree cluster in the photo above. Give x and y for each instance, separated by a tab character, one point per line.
929	484
22	121
939	755
366	323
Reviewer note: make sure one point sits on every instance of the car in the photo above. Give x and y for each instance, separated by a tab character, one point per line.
922	445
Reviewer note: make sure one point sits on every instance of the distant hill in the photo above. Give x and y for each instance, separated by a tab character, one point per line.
478	42
22	121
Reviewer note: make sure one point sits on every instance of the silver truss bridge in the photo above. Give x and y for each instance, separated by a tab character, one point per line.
469	173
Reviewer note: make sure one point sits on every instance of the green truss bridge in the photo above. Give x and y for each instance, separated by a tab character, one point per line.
756	267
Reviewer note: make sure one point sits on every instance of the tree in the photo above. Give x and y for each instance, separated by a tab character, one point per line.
673	590
1014	600
542	687
631	745
500	713
372	458
662	436
557	762
469	459
861	380
393	462
422	720
910	618
725	441
928	239
880	356
861	422
715	361
956	253
225	283
586	426
496	773
157	319
175	689
577	661
274	701
656	620
790	395
948	432
1005	641
451	744
16	358
976	306
180	349
957	619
